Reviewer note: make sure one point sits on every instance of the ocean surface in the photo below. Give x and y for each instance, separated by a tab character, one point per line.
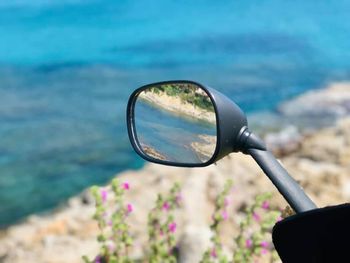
67	68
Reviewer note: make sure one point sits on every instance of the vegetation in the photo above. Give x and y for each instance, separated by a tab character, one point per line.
114	237
188	93
162	227
252	243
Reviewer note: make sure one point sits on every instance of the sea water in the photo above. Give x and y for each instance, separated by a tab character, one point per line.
67	68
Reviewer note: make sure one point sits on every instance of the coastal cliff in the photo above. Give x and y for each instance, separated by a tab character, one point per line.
320	161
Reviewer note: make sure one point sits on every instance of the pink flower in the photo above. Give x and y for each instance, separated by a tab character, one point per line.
256	217
166	206
224	215
265	205
279	219
129	208
213	253
264	251
126	186
98	259
172	227
264	244
248	243
104	195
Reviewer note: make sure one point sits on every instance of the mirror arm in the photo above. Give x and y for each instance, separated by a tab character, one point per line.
286	185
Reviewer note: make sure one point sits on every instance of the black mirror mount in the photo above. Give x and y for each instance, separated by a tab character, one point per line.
286	185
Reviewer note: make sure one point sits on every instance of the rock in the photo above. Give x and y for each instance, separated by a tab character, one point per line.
330	145
346	190
319	107
194	241
285	141
86	198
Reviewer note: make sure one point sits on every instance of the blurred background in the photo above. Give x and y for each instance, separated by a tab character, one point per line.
67	68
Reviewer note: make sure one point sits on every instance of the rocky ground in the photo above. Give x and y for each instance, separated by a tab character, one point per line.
320	161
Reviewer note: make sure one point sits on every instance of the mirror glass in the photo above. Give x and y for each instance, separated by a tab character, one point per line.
176	122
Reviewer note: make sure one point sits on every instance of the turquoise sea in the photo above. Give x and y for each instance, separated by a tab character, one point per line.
67	68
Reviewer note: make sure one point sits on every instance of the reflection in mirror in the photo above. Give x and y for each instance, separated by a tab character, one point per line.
176	122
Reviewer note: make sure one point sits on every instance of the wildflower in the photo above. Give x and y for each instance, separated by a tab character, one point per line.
166	206
129	208
256	217
98	259
264	251
104	194
172	227
265	205
279	218
264	244
213	253
224	215
126	186
248	243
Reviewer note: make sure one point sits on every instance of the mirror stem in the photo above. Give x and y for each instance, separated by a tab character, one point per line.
286	185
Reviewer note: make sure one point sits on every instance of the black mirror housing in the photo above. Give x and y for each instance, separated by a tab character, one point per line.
231	122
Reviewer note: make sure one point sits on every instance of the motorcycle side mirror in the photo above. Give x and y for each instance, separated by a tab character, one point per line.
184	123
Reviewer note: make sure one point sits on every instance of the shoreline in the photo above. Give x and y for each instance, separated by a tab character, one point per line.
177	107
206	148
149	150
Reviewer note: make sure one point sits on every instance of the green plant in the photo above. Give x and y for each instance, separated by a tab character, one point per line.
252	242
162	227
254	237
114	236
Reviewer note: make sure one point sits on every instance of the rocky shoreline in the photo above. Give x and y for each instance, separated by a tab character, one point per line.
320	161
206	148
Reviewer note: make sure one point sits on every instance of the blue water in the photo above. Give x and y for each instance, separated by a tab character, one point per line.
68	66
